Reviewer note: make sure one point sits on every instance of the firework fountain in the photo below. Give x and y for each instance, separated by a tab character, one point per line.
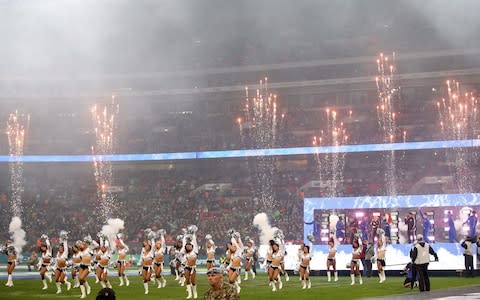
388	98
17	129
331	165
104	119
459	121
259	129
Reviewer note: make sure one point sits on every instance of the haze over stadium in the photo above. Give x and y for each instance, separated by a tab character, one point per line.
293	121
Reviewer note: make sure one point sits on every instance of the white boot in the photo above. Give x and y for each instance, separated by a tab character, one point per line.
145	286
45	285
238	288
68	284
164	281
159	283
253	274
352	276
328	276
96	279
383	277
304	284
182	281
176	275
59	287
246	275
87	287
49	277
77	283
239	279
127	282
280	283
336	276
189	291
286	276
103	284
274	288
9	281
309	284
121	280
109	285
360	279
82	290
194	290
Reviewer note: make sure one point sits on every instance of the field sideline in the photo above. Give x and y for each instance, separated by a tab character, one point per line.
251	289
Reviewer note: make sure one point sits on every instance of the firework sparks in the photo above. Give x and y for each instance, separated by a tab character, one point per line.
17	129
459	121
258	129
388	96
104	119
331	165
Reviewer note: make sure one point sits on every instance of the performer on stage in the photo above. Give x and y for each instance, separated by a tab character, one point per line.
191	251
249	258
305	267
280	239
45	261
381	249
235	261
159	253
355	263
122	250
61	263
331	261
146	257
11	254
274	269
210	249
105	255
75	262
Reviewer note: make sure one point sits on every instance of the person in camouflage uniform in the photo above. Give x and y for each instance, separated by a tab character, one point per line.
218	289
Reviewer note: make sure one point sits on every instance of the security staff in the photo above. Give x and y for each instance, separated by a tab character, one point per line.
420	255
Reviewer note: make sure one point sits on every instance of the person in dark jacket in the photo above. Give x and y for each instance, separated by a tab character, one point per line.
420	255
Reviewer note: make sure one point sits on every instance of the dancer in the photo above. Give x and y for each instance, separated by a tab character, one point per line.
305	267
331	261
280	239
159	253
45	261
299	257
249	258
86	254
237	241
381	249
191	251
355	263
147	259
11	254
102	270
61	263
235	262
210	249
274	269
75	262
122	250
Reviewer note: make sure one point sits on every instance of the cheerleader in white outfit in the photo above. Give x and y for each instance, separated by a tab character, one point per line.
237	242
11	254
105	255
356	261
61	264
234	267
275	266
331	261
381	249
305	267
86	254
191	250
159	253
210	249
75	261
45	260
249	258
147	262
280	239
122	250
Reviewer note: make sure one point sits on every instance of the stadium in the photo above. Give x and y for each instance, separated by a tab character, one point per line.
236	128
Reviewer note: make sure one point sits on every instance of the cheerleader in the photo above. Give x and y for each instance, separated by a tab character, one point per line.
299	260
159	253
97	256
305	267
45	261
381	249
210	249
104	260
75	262
280	239
237	242
11	254
249	258
61	263
355	263
191	250
147	262
275	266
122	250
331	261
234	267
86	254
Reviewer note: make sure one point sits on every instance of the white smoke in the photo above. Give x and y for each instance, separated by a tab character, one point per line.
17	234
111	229
266	231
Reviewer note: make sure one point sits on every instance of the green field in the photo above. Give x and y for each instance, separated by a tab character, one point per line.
252	289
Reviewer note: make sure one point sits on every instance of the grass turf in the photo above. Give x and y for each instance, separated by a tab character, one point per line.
251	289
